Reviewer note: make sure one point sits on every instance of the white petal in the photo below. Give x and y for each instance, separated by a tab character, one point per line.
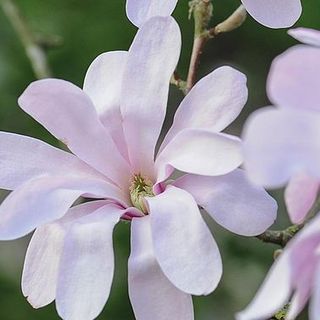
273	294
40	272
45	199
139	11
212	104
305	35
103	83
314	307
274	13
87	265
23	158
200	152
300	195
184	247
152	295
232	201
68	113
293	79
152	59
279	143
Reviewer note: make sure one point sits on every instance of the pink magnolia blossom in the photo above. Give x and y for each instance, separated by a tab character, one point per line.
112	127
270	13
294	278
281	145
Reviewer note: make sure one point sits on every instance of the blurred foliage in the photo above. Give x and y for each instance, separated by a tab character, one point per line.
89	28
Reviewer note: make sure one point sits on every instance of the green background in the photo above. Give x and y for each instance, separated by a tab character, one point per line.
89	28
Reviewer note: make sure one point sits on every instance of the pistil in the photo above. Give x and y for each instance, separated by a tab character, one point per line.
140	188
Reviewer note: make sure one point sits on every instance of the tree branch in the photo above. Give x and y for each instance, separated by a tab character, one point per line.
202	14
282	237
34	51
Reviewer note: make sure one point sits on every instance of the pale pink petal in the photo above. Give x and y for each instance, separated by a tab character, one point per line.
184	247
41	265
305	35
87	265
304	261
294	77
152	59
103	81
300	195
23	158
139	11
200	152
274	13
152	295
293	270
45	199
103	84
281	143
273	294
297	304
232	201
68	113
212	104
314	306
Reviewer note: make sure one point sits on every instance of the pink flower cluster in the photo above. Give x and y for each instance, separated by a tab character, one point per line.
282	144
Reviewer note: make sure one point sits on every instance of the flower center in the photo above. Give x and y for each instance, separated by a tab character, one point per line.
140	188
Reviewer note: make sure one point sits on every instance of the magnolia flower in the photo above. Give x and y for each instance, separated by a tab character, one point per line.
281	144
112	127
270	13
294	277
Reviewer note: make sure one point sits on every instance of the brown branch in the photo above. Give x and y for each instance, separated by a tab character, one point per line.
202	13
197	50
282	237
178	82
34	51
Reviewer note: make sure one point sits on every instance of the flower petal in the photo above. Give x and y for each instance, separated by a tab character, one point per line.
87	265
152	59
103	84
68	113
294	77
23	158
304	261
305	35
300	195
274	13
40	272
183	244
200	152
314	306
139	11
278	144
45	199
232	201
212	104
103	80
41	265
274	292
151	293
